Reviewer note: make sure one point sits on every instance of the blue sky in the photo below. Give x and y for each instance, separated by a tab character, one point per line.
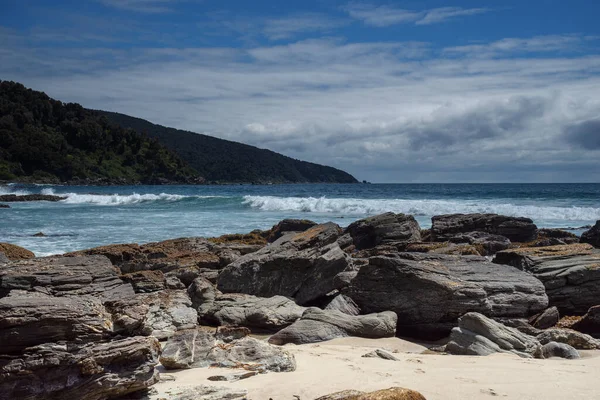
394	91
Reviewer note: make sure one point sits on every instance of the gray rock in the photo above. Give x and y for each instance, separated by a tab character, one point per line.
487	244
570	273
204	392
317	325
546	319
27	321
197	348
4	206
479	335
3	258
429	292
146	281
521	324
578	340
94	372
592	236
302	266
287	226
232	377
344	304
381	229
561	350
444	227
590	323
379	353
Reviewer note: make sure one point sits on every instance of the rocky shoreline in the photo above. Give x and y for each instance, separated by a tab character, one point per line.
88	324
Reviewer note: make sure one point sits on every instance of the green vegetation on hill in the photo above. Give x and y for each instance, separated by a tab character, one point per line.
44	140
225	161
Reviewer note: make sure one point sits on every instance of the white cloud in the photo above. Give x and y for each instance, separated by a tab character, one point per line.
437	15
287	27
145	6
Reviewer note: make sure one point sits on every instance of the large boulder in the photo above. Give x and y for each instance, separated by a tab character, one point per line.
65	276
592	236
94	372
486	244
477	335
318	325
444	227
578	340
228	347
344	304
546	319
570	273
302	266
429	292
385	228
590	323
14	252
287	226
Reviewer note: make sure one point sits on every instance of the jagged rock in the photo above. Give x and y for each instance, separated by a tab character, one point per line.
233	377
561	350
590	323
592	236
157	314
197	348
546	242
546	319
521	324
570	273
429	291
172	282
379	353
444	227
65	276
14	252
318	325
302	266
28	320
8	198
39	234
146	281
4	206
478	335
344	304
381	229
578	340
395	393
204	392
486	244
287	226
94	372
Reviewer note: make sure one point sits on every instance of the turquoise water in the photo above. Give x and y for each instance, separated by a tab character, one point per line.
93	216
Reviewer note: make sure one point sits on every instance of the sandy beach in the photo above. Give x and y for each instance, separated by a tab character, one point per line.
338	364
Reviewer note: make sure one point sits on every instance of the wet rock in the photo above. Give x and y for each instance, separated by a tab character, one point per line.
478	335
318	325
14	252
578	340
344	304
444	227
570	273
8	198
561	350
546	319
381	229
414	285
39	234
197	348
592	236
395	393
96	371
590	323
4	206
303	266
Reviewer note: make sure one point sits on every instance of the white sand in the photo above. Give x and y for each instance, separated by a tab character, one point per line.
337	365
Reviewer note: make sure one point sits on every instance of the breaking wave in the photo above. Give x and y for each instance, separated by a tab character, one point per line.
120	199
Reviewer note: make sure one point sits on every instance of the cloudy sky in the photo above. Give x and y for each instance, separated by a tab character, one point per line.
390	91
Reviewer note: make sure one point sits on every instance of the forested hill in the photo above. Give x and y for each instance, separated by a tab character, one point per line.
225	161
46	141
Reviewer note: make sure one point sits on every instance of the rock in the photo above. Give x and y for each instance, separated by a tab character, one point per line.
172	282
39	234
202	292
592	236
546	319
379	353
520	324
414	285
14	252
381	229
317	325
344	304
559	234
395	393
561	350
287	226
7	198
65	276
478	335
97	371
146	281
486	244
3	259
590	323
204	392
444	227
570	273
197	348
546	242
27	321
578	340
233	377
4	206
302	266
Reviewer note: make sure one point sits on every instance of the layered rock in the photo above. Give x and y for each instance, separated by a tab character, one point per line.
382	229
590	323
592	236
318	325
205	392
395	393
287	226
344	304
444	227
429	292
229	347
546	319
302	266
578	340
13	252
486	244
570	273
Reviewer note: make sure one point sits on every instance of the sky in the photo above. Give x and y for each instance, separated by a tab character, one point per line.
390	91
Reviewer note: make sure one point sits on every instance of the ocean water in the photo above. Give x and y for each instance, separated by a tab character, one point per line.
93	216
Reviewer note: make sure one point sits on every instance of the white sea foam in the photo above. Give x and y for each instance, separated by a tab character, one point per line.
119	199
424	207
10	190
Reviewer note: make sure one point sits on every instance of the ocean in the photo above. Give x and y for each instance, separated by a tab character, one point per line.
99	215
